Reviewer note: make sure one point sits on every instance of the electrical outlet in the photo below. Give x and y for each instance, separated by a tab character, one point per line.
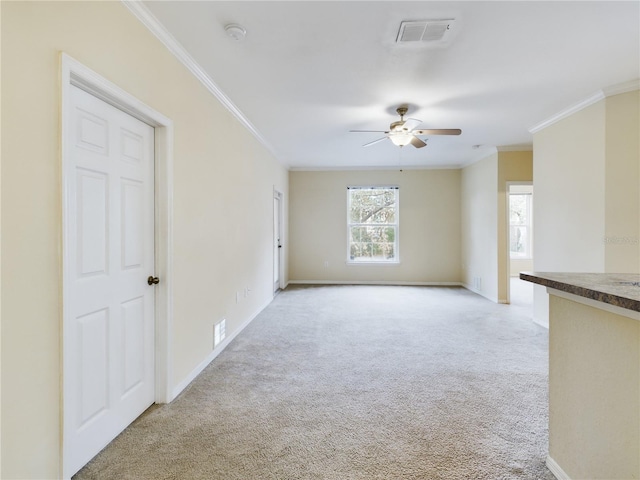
326	264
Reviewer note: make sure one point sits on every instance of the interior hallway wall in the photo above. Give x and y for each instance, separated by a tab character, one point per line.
484	220
480	227
223	218
586	203
622	183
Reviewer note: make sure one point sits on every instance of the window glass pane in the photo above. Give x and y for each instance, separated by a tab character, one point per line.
355	210
383	215
390	251
516	244
518	209
372	206
519	241
390	234
520	225
356	233
372	243
354	251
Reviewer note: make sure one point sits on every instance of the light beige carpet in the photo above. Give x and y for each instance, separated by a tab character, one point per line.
356	382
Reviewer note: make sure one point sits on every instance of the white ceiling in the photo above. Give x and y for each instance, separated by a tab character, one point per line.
308	72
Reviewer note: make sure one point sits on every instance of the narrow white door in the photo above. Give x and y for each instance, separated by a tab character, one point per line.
277	244
108	347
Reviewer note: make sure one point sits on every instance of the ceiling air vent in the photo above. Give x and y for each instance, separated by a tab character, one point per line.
424	31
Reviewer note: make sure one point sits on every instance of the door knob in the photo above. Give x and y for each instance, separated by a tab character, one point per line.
153	280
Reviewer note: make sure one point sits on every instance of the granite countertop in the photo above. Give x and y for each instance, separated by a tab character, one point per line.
619	289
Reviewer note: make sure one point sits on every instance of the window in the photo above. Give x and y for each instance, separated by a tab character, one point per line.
372	224
520	225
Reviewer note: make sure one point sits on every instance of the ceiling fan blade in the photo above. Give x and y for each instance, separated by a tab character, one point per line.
375	141
369	131
416	142
411	123
438	131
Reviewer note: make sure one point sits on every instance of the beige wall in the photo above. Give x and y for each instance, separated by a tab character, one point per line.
594	396
520	265
622	183
568	169
429	227
480	227
0	250
586	207
223	190
512	167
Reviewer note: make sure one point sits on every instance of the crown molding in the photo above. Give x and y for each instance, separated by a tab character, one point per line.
594	98
381	168
567	112
142	13
625	87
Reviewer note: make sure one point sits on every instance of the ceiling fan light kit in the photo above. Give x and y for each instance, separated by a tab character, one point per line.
403	132
400	139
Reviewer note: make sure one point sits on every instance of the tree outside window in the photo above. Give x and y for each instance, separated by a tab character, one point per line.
373	224
520	225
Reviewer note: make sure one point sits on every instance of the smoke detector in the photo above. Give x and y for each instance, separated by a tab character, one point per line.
425	31
235	31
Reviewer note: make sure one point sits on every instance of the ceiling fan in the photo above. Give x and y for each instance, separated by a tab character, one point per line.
403	132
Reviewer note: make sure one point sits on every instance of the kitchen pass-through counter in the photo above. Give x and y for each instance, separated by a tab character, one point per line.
594	374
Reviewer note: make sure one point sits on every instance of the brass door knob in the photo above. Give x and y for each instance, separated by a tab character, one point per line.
153	280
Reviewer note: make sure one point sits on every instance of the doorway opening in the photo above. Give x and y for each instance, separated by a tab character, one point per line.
520	238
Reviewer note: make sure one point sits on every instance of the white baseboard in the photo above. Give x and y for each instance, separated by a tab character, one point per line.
177	390
556	470
402	284
537	322
374	282
474	290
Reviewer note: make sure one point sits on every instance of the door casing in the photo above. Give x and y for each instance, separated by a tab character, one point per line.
277	235
74	73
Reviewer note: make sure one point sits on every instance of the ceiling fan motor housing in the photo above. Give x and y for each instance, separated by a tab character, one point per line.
397	126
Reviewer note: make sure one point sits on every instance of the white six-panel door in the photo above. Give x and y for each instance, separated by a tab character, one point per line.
108	344
277	245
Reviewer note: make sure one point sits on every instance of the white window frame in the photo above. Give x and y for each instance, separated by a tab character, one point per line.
396	225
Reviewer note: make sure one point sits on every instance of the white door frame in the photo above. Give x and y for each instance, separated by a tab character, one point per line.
74	73
279	196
